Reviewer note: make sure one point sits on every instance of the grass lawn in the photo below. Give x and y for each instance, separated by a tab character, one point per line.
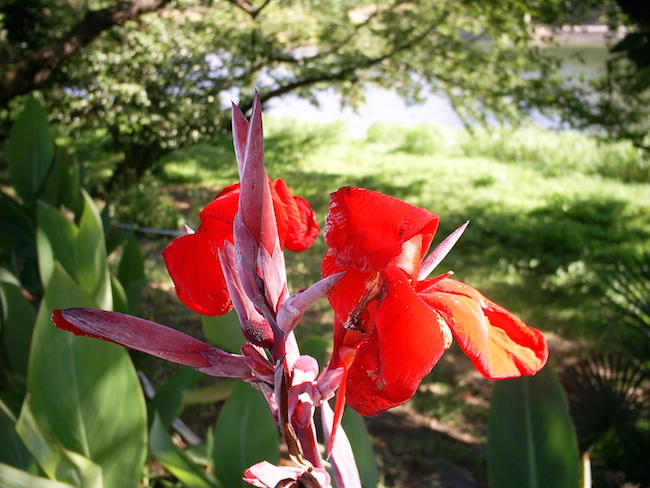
550	215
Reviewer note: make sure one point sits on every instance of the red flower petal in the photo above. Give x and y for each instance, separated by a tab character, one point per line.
400	347
499	344
220	212
301	228
193	264
366	229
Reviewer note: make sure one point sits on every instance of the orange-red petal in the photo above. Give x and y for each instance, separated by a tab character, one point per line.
498	342
366	230
403	342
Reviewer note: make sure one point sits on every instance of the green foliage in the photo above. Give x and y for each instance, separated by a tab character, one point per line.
84	396
145	205
245	434
531	442
168	83
608	396
627	290
572	152
223	331
30	152
177	461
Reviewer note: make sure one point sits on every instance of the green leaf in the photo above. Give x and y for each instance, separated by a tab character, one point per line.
531	441
130	271
56	236
16	325
12	448
16	225
85	392
90	256
176	461
11	477
245	434
30	151
357	433
120	302
223	331
63	185
56	462
167	404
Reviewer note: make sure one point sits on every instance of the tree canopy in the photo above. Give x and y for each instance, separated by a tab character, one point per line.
160	74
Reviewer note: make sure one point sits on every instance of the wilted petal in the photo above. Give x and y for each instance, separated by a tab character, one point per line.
499	344
402	345
365	230
151	338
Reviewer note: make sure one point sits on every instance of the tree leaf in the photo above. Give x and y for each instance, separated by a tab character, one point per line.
30	151
531	441
355	428
85	392
245	434
90	256
11	477
176	461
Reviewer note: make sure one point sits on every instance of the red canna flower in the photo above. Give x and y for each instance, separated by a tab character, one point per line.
392	323
193	262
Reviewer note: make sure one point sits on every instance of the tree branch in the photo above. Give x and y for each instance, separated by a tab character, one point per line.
249	8
35	70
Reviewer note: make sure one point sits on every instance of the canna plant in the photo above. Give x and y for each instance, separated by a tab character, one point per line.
392	321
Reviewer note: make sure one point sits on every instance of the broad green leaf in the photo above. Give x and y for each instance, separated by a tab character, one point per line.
17	317
130	271
30	151
63	185
223	331
16	223
167	403
355	428
120	302
531	441
90	256
51	189
56	236
56	462
12	448
11	477
85	392
176	461
245	434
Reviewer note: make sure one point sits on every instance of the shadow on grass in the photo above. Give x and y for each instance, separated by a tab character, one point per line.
415	455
